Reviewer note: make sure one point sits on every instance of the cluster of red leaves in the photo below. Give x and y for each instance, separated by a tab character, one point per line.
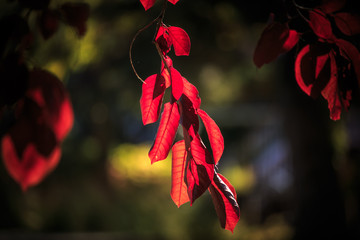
193	165
329	63
37	101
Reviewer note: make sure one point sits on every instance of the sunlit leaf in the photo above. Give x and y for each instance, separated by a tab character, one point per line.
180	40
178	187
215	137
165	136
224	199
147	3
177	86
192	93
151	98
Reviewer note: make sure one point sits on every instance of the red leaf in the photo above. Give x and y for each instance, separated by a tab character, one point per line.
313	68
180	40
276	39
178	187
192	93
173	1
320	24
30	167
163	39
350	52
76	15
332	93
199	167
348	23
50	94
215	137
165	136
177	86
151	99
224	199
189	117
329	6
147	3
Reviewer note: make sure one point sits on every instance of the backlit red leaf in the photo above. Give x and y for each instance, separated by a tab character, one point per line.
173	1
192	93
177	86
147	3
320	24
189	117
348	23
225	203
164	71
215	137
165	136
180	40
151	99
313	68
199	169
178	187
276	39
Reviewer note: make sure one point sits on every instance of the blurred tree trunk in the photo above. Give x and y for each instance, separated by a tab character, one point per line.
319	207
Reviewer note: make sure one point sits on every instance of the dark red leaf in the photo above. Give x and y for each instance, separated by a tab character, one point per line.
147	3
224	199
320	24
177	86
276	39
350	52
151	98
30	151
332	93
32	167
215	137
348	23
163	39
166	133
50	94
180	40
192	93
313	68
178	187
330	6
189	117
164	71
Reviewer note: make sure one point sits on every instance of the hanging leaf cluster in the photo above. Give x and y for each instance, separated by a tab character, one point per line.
193	163
328	63
35	109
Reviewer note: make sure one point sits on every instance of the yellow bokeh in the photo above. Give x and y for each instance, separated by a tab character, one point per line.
130	162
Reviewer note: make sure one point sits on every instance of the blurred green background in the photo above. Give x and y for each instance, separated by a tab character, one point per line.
295	171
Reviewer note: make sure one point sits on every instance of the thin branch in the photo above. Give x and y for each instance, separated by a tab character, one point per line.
132	43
